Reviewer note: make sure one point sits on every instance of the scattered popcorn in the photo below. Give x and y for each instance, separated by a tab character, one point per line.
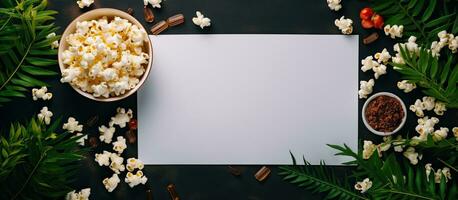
106	134
133	164
379	70
363	186
425	126
72	125
334	4
455	132
394	31
368	149
418	108
84	3
103	158
411	155
116	163
81	141
121	118
111	183
411	44
105	58
368	63
365	88
440	108
444	171
55	44
428	169
384	146
119	145
201	20
41	93
81	195
154	3
136	179
406	86
429	103
447	174
45	115
399	144
345	25
383	57
440	134
444	40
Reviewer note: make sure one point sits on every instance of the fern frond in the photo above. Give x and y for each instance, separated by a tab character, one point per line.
27	55
37	163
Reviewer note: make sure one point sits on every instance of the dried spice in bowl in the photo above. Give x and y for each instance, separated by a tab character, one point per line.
384	113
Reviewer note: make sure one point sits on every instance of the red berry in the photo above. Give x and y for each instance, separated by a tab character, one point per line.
378	21
366	13
133	124
367	24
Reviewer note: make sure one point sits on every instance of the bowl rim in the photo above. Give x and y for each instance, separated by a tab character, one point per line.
363	115
96	14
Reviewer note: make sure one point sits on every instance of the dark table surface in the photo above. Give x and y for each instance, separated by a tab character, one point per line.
229	17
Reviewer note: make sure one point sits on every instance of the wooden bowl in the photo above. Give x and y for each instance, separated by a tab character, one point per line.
97	14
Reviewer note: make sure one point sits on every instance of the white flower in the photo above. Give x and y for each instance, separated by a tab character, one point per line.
84	3
45	115
411	155
121	118
440	108
379	70
136	179
119	145
406	86
383	57
417	108
365	88
81	195
111	183
41	93
72	125
428	103
364	185
368	149
133	164
116	163
334	4
394	31
103	158
345	25
428	169
440	134
81	141
154	3
455	132
201	20
368	63
106	134
55	43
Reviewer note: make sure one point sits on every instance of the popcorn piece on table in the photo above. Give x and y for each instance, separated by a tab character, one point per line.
440	108
111	183
394	31
41	93
440	134
106	134
379	70
119	145
411	155
116	163
364	185
334	4
103	158
368	149
82	140
81	195
406	86
429	103
84	3
201	20
154	3
135	179
55	44
345	25
45	115
455	132
121	118
72	125
368	63
418	108
133	164
383	57
425	126
365	88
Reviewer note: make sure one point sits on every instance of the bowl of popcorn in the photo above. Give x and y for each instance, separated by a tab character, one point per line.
105	55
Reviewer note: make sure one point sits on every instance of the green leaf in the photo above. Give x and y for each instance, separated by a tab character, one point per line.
429	10
438	21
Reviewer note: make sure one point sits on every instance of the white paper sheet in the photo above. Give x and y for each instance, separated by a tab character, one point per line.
248	99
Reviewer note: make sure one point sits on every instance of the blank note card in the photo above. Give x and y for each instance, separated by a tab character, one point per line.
248	99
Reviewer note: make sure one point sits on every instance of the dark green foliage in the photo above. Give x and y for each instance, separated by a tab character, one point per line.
438	78
36	162
25	51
